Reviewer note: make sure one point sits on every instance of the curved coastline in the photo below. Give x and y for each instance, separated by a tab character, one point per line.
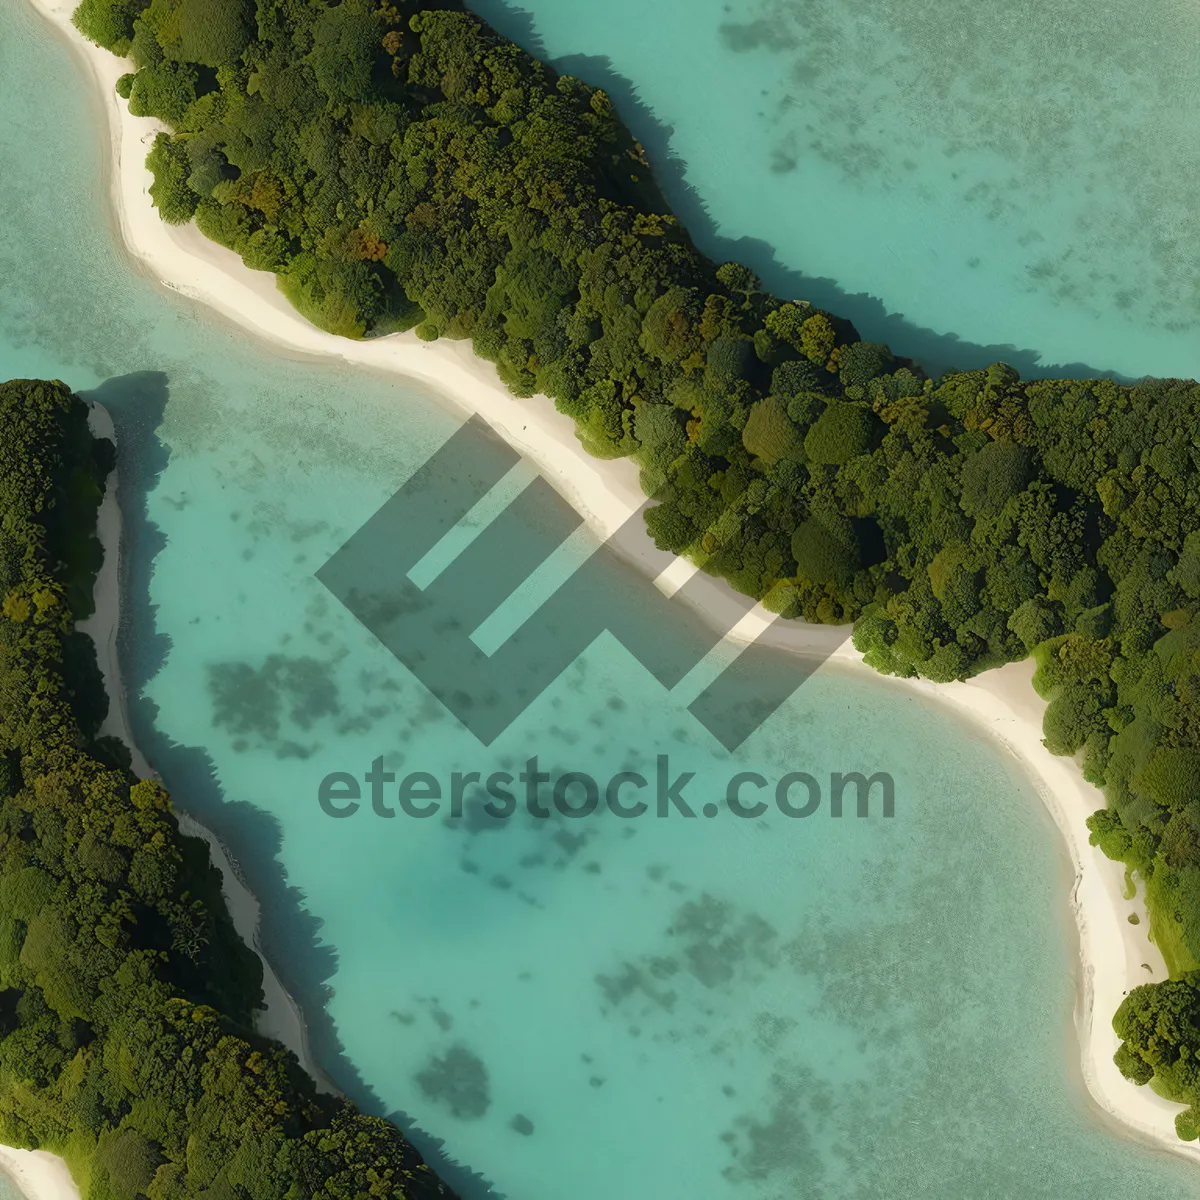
38	1174
1114	955
280	1017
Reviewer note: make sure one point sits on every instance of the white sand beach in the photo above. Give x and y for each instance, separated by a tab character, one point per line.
1115	956
39	1175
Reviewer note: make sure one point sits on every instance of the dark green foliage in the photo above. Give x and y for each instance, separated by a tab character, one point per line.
860	362
825	549
207	32
1108	832
346	42
126	997
123	1166
1186	574
1035	621
402	165
992	476
165	90
798	375
169	162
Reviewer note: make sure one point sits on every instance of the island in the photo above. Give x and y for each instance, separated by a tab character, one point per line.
402	167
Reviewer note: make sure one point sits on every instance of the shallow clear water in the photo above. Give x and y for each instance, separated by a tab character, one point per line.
1018	176
742	1009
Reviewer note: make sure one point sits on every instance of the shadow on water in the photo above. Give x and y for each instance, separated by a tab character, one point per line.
289	932
936	352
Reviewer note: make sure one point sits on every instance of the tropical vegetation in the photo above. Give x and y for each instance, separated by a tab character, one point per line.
398	165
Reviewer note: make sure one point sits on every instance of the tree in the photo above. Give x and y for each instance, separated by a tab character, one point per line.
170	165
993	476
109	23
347	39
1186	573
1159	1028
208	32
1035	621
825	549
399	167
843	431
770	433
860	362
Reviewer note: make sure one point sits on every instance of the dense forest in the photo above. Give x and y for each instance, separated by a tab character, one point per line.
126	997
398	165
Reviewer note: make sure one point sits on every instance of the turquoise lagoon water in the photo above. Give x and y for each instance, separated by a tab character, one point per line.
735	1009
1017	175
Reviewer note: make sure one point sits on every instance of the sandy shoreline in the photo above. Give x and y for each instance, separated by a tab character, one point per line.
1002	703
39	1174
280	1017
